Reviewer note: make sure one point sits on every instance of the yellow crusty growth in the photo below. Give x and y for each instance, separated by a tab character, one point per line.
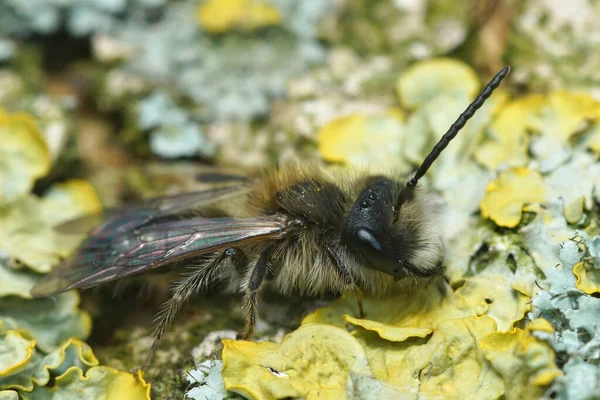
506	196
15	352
564	114
363	139
24	156
588	279
314	362
27	229
525	363
509	137
219	16
429	79
425	343
101	382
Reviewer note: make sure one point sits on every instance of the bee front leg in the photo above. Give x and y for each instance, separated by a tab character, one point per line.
347	278
251	295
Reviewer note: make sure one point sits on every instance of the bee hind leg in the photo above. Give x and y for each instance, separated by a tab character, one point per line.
190	284
251	295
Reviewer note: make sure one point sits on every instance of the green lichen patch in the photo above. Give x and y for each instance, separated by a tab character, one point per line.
27	232
49	321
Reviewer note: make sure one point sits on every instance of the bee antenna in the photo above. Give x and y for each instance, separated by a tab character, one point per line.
457	126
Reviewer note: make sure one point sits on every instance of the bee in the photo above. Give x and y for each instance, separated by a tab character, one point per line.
298	229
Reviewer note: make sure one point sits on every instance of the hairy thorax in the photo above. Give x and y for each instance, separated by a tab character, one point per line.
322	203
300	262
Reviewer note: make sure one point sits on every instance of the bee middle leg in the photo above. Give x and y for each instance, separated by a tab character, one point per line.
190	284
252	292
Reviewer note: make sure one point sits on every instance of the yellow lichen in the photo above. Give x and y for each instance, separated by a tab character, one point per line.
494	296
70	199
363	139
564	114
593	141
98	383
588	279
456	367
27	229
525	363
433	78
40	371
574	210
15	352
416	313
24	156
509	138
506	196
449	364
219	16
314	362
557	117
72	372
540	325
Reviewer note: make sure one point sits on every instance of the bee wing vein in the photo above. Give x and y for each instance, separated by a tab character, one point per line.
103	258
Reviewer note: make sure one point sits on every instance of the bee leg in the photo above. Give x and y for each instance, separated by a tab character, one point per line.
250	302
239	260
340	267
347	278
189	285
359	301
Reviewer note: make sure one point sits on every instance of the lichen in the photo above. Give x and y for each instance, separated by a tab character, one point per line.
507	195
41	353
573	314
329	82
25	155
493	274
226	76
407	29
552	44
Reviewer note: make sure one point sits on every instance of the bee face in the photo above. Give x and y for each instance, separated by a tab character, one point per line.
391	236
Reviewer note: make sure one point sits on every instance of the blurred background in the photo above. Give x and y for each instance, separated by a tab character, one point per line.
249	83
108	101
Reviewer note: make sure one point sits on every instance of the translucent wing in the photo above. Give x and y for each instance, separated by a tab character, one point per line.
107	256
122	219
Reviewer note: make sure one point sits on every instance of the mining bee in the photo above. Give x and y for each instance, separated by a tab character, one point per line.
298	229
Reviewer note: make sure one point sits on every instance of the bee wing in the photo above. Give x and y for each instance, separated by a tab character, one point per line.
122	219
103	257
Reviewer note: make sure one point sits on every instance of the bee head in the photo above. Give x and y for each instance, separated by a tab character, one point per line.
392	228
390	224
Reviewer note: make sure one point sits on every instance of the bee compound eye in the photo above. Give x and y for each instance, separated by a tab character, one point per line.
366	237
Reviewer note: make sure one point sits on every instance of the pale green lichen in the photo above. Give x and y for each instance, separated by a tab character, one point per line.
149	51
172	132
229	76
407	29
52	113
574	316
79	17
208	382
49	321
553	44
26	229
